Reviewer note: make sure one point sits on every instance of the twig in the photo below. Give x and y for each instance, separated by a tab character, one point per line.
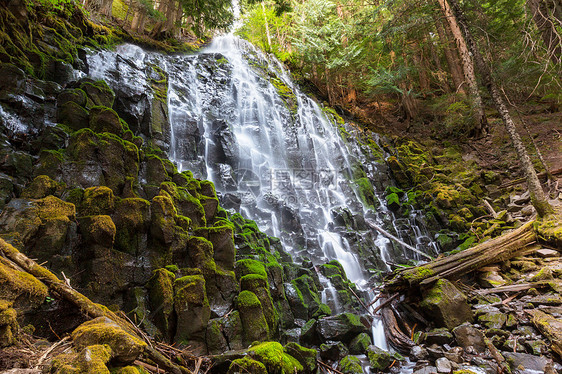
371	223
149	367
385	303
328	367
360	301
48	351
198	365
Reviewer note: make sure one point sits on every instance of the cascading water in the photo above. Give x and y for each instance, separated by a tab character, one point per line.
238	119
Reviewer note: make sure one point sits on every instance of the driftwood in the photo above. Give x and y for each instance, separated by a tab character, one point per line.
549	327
86	306
542	177
495	250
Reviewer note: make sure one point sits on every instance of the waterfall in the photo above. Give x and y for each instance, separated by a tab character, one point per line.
238	119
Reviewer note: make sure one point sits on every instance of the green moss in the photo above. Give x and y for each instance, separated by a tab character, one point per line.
42	186
14	283
351	365
96	201
365	192
273	356
249	266
246	365
53	207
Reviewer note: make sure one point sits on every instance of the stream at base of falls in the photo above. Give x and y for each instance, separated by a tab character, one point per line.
275	155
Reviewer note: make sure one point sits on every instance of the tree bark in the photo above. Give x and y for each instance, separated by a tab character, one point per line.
538	197
480	122
452	58
544	18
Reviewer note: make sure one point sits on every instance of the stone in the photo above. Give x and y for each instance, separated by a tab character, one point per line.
443	365
547	253
438	336
246	365
305	356
491	317
102	119
98	230
524	361
467	335
73	115
528	210
359	344
350	365
333	351
426	370
379	358
454	354
252	316
216	342
125	348
418	353
341	327
99	93
447	305
275	358
309	335
192	308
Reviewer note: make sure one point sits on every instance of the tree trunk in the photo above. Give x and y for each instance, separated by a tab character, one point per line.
544	18
452	58
480	122
266	28
538	197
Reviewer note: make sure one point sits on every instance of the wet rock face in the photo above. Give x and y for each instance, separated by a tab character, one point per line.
447	305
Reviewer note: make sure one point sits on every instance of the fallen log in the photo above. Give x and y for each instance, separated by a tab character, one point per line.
499	249
549	327
86	306
373	225
393	333
542	177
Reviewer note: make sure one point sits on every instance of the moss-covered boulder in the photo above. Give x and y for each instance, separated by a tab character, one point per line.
8	324
41	187
72	115
350	365
125	348
103	119
186	204
98	93
275	358
222	238
305	356
215	339
379	359
89	360
155	172
98	200
252	316
342	327
447	305
99	159
161	296
359	344
192	308
98	230
132	219
258	285
246	365
75	95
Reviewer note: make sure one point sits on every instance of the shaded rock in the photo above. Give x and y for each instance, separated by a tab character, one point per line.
446	304
467	335
41	187
306	356
309	335
342	327
98	230
419	353
192	308
103	119
491	317
359	344
125	348
73	115
455	354
216	342
523	361
333	351
252	316
438	336
426	370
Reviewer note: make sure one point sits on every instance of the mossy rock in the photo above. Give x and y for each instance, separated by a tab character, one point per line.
249	266
259	285
99	94
8	322
379	359
74	95
275	359
89	360
132	218
155	171
73	115
98	230
549	229
359	344
447	305
252	316
192	308
215	339
342	327
307	292
125	348
246	365
350	365
103	119
41	187
163	214
97	201
161	296
305	356
186	203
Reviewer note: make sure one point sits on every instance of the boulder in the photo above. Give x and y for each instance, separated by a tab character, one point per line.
333	351
192	308
103	119
438	336
275	358
246	365
342	327
525	362
125	348
252	316
305	356
359	344
98	230
379	359
446	304
350	365
467	335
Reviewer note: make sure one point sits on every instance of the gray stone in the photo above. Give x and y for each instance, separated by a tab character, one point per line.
525	362
426	370
455	354
443	365
467	335
438	336
418	353
545	253
342	327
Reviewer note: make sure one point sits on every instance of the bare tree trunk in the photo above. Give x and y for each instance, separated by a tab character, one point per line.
266	27
538	197
452	58
544	19
480	122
